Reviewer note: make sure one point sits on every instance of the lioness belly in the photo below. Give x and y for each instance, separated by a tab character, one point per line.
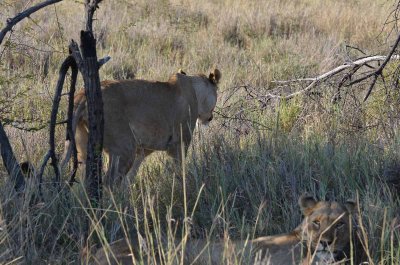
152	136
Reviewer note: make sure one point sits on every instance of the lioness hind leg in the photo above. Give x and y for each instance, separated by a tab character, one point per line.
81	140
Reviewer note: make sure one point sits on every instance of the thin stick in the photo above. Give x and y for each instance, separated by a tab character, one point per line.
11	22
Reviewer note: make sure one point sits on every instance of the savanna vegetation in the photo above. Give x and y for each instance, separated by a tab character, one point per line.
245	172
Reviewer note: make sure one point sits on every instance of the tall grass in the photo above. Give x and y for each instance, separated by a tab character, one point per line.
242	177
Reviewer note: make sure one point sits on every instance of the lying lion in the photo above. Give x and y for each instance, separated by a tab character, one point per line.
143	116
323	237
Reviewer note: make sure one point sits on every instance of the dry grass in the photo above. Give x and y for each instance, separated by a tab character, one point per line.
237	172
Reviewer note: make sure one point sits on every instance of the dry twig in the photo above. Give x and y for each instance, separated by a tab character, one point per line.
11	22
354	66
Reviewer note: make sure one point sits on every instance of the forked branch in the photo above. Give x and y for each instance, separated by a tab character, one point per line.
379	71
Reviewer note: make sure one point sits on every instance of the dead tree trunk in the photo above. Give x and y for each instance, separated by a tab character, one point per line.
10	162
86	59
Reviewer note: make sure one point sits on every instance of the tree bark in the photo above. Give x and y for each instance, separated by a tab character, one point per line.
95	118
89	68
69	61
70	132
10	162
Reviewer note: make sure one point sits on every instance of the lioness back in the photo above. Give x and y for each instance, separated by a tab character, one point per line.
144	113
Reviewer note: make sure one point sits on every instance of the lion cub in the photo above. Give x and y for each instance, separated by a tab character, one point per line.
323	237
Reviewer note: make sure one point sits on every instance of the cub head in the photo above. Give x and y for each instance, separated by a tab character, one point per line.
326	227
206	92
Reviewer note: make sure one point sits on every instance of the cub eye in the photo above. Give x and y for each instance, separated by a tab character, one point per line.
339	225
316	224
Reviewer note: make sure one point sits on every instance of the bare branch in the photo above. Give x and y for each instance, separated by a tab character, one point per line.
91	6
283	82
378	72
41	170
53	119
74	51
70	130
353	65
11	22
10	162
103	61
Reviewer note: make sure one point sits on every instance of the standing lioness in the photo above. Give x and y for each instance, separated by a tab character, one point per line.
143	116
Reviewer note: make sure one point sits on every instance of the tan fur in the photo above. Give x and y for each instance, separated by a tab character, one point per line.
143	116
303	246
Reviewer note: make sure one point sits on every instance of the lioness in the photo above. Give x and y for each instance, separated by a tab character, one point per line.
323	237
143	116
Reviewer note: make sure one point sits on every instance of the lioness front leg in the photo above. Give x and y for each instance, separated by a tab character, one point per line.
177	152
139	158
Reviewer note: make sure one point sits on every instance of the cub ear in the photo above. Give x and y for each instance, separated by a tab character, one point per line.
307	203
351	206
215	76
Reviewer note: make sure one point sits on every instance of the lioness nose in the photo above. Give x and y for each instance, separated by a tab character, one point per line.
326	243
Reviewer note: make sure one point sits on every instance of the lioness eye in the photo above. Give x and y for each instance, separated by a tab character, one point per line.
339	225
316	224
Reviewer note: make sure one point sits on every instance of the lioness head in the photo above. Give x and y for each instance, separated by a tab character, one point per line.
206	92
326	228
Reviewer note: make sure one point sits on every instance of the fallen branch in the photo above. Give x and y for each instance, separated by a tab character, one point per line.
353	65
379	71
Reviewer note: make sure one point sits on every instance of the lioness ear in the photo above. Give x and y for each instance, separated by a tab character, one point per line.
351	206
307	203
181	71
215	76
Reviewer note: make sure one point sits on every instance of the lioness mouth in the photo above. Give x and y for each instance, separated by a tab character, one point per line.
328	252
